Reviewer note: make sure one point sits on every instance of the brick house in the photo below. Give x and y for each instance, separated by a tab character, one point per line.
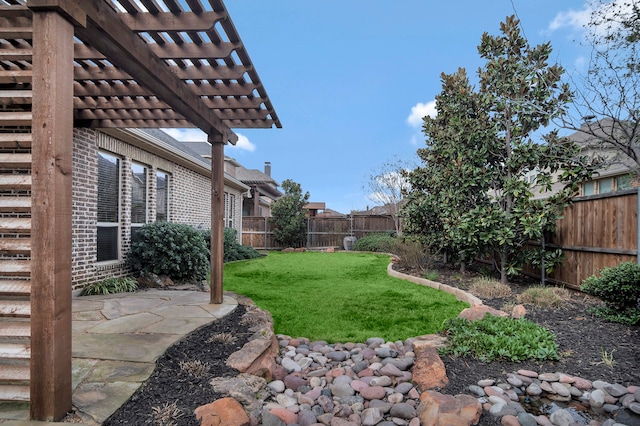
124	178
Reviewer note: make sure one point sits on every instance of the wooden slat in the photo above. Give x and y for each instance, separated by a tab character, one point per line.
16	54
15	350
15	118
15	225
15	161
15	76
15	328
15	140
15	268
8	181
15	287
15	204
14	392
15	245
23	33
14	373
11	97
14	308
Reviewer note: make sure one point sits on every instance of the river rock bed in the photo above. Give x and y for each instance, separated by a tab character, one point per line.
373	383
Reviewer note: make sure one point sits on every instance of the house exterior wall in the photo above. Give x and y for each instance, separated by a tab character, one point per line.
189	201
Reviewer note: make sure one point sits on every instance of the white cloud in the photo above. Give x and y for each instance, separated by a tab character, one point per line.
187	135
243	143
197	135
574	19
419	111
609	12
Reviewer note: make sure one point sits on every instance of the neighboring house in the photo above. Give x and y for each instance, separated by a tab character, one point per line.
617	175
124	178
264	190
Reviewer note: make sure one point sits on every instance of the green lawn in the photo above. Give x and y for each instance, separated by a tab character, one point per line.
339	297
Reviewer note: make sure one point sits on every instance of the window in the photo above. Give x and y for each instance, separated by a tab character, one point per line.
138	197
229	209
108	207
589	188
162	196
605	185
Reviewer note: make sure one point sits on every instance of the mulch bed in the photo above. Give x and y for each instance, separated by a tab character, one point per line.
582	340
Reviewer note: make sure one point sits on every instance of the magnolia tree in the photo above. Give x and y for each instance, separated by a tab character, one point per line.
472	188
288	215
608	101
386	186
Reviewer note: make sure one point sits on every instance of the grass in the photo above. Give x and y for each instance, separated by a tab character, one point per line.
544	296
488	288
340	297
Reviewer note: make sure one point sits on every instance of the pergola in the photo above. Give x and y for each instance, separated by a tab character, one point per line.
100	64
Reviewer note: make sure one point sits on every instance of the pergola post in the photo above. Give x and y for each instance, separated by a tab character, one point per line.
52	129
217	216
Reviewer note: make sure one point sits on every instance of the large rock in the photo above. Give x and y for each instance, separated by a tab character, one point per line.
223	412
477	312
257	357
429	371
437	409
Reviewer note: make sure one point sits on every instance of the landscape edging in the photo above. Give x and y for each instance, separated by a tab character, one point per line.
461	295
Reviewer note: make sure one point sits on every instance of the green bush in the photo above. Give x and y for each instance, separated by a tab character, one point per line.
619	288
109	286
501	338
234	250
173	249
381	243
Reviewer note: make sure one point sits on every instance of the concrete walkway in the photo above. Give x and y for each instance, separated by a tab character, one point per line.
116	341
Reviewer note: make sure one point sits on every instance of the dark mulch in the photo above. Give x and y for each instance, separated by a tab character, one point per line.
582	340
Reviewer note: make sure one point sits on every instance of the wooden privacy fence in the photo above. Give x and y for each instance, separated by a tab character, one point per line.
322	232
596	232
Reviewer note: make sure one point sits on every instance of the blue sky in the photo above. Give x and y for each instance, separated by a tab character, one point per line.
351	79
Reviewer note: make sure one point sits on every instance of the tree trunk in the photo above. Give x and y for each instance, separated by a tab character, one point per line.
503	268
463	267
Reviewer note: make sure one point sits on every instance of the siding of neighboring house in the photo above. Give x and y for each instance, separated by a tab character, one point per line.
189	201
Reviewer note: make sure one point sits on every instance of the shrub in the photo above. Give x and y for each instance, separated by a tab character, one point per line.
233	250
544	296
109	286
380	243
619	288
500	338
412	255
172	249
488	288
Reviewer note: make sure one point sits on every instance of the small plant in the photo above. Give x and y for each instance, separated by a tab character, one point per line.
251	320
379	243
500	338
607	358
430	275
544	296
111	285
224	338
173	249
195	368
489	288
619	289
167	415
412	255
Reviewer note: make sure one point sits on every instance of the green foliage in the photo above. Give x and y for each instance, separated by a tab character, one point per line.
110	285
500	338
619	289
380	243
233	250
173	249
289	217
474	193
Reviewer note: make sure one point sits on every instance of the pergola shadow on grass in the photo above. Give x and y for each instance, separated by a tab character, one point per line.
340	297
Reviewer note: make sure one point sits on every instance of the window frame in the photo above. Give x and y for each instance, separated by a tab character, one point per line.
110	225
134	226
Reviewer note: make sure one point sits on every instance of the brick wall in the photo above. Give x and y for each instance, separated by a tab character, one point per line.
189	201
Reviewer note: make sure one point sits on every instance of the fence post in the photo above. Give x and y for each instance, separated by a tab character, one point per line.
638	227
266	234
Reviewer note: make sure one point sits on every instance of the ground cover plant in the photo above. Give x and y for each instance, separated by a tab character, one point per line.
340	297
111	285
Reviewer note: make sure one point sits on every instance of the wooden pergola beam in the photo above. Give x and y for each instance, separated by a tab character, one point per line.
106	31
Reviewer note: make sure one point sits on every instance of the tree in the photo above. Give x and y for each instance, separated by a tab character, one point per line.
608	100
483	158
451	181
288	215
386	187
